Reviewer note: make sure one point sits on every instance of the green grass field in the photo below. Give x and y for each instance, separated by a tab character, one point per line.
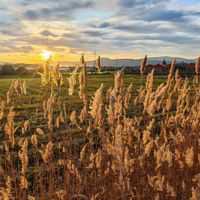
31	103
36	90
29	106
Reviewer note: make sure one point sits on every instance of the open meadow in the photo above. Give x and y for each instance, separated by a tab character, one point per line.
36	92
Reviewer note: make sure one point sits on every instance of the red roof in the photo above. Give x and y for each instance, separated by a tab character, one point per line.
149	66
191	66
158	67
166	68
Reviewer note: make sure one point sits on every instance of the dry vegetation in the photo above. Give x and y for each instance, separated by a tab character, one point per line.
117	147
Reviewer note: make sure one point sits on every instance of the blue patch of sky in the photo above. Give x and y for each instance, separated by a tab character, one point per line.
5	18
83	16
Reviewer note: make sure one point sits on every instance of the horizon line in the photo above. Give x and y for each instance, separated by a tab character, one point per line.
91	60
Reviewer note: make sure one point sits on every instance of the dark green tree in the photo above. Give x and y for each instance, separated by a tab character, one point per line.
21	70
164	62
7	70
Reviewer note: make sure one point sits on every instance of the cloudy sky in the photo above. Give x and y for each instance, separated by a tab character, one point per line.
122	28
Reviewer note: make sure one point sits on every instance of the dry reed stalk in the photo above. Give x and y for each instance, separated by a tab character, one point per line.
169	79
2	108
72	81
46	74
98	64
118	80
128	96
9	127
83	114
57	78
97	105
6	193
143	65
197	70
46	153
9	93
189	157
73	118
197	66
25	126
82	60
83	84
34	140
23	156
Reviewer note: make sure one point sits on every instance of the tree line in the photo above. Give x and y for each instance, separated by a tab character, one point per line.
11	70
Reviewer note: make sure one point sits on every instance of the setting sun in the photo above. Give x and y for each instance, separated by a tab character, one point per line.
46	54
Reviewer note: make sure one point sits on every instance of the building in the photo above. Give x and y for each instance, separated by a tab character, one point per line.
157	68
149	68
183	68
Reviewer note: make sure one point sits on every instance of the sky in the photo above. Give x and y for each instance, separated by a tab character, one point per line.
109	28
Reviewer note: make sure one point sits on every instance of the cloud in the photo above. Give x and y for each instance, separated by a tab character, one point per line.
9	46
31	14
47	33
155	26
153	10
104	25
100	25
141	27
135	27
93	33
56	11
25	49
70	35
132	3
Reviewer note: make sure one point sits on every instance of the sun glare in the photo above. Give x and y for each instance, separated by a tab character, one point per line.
46	54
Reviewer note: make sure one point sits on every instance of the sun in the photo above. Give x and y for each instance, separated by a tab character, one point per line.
46	54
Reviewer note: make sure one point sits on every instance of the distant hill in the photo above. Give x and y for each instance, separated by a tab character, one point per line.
135	62
156	60
119	62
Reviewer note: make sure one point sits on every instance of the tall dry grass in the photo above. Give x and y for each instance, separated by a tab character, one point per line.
116	147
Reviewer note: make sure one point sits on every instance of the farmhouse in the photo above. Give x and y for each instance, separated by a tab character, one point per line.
159	68
183	68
